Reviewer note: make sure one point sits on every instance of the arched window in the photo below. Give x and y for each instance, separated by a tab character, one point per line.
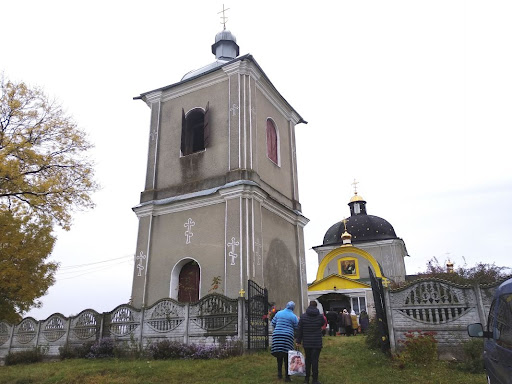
188	285
195	130
272	149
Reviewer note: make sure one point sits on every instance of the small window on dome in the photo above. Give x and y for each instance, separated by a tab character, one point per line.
272	142
357	208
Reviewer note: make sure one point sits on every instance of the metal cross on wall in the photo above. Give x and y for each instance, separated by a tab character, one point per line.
140	267
232	253
188	233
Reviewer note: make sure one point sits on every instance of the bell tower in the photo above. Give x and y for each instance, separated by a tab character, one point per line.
220	204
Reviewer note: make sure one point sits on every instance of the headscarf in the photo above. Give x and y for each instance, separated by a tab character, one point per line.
353	312
290	305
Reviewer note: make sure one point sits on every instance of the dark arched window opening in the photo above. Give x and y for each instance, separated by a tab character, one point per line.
271	141
195	132
188	286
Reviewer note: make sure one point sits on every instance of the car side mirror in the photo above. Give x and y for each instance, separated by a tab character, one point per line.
477	330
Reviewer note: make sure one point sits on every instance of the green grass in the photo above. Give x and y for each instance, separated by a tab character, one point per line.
343	360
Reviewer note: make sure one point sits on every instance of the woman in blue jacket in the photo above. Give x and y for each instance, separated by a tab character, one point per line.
285	323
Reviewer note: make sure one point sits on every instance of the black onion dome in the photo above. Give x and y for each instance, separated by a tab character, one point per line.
362	228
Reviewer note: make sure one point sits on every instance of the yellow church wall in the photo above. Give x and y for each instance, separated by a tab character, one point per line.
336	283
355	256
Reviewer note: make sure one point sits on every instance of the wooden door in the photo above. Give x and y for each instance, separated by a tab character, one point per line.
188	288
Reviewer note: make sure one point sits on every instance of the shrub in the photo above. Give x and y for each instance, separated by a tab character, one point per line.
24	357
75	351
420	347
373	337
167	349
230	349
102	348
473	356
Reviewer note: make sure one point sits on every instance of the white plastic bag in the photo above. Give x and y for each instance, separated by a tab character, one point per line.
296	364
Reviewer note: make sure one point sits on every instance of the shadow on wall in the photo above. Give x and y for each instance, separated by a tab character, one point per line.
281	276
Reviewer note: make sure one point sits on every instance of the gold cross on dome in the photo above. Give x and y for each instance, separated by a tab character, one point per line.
345	224
355	186
242	293
223	17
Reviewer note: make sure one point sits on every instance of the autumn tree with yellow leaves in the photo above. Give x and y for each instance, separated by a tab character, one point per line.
45	175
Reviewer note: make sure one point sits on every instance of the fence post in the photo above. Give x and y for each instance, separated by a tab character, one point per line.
479	303
38	333
241	318
187	319
11	340
142	313
68	330
390	320
101	325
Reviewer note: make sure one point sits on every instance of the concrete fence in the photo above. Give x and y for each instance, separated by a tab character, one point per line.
212	320
438	306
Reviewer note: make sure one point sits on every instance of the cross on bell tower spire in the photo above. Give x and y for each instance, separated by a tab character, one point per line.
223	17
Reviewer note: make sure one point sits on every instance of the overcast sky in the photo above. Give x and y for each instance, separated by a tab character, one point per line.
411	98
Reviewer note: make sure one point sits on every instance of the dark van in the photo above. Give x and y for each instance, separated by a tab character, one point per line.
498	336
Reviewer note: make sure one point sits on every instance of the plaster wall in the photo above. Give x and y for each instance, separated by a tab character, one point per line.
281	262
169	246
390	255
174	170
140	265
279	176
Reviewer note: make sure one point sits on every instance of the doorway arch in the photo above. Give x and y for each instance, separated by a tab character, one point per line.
186	281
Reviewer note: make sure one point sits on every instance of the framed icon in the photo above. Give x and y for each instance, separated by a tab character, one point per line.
349	267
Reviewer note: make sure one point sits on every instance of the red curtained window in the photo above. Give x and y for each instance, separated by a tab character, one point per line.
271	141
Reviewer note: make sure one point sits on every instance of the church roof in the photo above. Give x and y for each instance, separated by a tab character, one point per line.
360	225
226	52
363	228
335	281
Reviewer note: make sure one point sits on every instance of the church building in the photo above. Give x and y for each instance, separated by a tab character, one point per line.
220	204
349	248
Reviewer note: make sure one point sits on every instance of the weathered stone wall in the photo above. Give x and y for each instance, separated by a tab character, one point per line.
212	320
438	306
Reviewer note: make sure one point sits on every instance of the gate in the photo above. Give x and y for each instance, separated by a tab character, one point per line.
382	323
257	308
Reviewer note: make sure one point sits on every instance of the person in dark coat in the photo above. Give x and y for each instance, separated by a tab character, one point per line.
285	323
364	321
346	322
310	336
332	318
341	327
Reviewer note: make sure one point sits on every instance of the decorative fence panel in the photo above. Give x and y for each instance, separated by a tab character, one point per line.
257	308
439	306
212	320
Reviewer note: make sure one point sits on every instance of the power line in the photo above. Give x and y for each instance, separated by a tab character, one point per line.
98	262
91	271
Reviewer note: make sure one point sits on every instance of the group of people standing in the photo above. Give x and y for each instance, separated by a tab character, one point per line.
307	330
346	323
